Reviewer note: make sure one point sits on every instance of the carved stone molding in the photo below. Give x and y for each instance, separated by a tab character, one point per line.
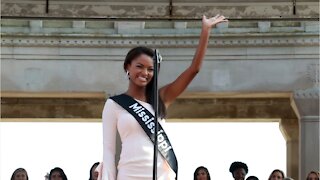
158	9
52	105
313	74
312	92
158	41
307	100
268	106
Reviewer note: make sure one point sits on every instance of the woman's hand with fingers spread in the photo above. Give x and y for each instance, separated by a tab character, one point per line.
211	22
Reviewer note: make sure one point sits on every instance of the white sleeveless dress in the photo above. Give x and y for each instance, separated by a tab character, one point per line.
136	158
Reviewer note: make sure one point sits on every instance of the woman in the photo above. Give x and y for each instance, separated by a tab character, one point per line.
57	174
276	174
136	158
313	175
20	174
201	173
239	170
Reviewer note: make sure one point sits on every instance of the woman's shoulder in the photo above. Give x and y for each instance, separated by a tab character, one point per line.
111	105
110	102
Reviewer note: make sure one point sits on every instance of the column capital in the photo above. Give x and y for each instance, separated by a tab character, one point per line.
307	100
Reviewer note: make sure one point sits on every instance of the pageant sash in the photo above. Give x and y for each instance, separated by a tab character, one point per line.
146	121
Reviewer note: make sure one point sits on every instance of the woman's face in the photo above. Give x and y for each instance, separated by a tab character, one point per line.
276	176
56	176
202	175
312	176
239	174
141	70
21	175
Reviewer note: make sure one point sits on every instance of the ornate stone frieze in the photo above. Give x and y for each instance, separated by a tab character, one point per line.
157	41
312	74
159	9
307	100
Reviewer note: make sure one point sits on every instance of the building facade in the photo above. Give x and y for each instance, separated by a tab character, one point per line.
263	65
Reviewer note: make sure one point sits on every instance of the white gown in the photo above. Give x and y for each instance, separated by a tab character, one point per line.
136	158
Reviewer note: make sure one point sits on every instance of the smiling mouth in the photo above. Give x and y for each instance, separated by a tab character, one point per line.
143	79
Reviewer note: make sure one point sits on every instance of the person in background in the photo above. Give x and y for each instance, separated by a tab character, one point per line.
313	175
20	174
288	178
93	173
57	174
276	174
239	170
201	173
252	178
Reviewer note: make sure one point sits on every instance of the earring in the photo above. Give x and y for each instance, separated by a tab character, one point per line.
128	75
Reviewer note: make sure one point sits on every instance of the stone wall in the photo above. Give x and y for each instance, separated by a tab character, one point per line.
161	8
51	55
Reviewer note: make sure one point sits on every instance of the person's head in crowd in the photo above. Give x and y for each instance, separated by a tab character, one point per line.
20	174
57	174
276	174
93	173
252	178
201	173
288	178
313	175
239	170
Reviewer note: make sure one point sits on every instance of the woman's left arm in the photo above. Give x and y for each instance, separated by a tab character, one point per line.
171	91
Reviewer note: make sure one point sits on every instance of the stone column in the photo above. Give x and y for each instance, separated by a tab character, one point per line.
310	143
307	103
290	131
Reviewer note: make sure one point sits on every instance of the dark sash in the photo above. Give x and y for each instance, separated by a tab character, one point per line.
146	121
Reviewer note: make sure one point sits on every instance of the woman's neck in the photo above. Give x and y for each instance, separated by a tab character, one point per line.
137	92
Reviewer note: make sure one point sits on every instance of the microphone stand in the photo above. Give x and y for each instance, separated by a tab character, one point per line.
156	61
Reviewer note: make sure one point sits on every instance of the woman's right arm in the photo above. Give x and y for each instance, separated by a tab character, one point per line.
109	121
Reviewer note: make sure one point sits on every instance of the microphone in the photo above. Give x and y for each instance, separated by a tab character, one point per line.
157	56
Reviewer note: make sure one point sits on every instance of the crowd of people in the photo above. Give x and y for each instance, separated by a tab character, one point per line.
238	170
55	174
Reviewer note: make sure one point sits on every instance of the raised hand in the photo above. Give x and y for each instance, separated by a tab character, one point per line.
171	91
211	22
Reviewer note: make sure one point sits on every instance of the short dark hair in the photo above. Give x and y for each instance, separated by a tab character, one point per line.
136	52
252	178
238	165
